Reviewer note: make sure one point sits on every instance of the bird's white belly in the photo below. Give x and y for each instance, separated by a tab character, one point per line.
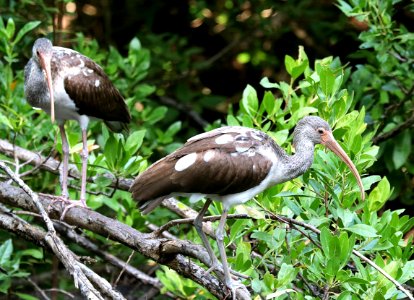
65	108
274	177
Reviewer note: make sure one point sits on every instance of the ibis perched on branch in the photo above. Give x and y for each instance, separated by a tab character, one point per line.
231	165
70	86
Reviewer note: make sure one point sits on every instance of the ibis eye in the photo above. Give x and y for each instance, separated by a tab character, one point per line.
321	130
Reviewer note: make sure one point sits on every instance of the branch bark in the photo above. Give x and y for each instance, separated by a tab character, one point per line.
395	131
172	253
67	257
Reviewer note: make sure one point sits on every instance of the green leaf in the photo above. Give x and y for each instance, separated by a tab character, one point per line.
25	29
26	296
379	195
289	64
325	238
280	136
286	274
156	114
103	181
10	28
6	250
232	121
134	141
402	149
269	102
368	181
5	121
135	44
173	129
267	84
347	119
36	253
327	79
391	269
111	151
250	101
5	284
362	230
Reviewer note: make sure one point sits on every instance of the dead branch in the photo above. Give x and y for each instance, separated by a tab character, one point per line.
173	254
67	257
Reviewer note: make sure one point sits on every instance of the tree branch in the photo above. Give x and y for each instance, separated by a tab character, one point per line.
173	254
66	256
395	131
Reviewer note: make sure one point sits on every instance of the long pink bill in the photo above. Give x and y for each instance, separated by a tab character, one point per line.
45	62
329	141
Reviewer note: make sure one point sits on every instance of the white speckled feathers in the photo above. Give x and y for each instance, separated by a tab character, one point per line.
81	87
220	163
89	87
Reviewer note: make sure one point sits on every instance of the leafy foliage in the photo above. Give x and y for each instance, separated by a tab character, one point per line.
385	85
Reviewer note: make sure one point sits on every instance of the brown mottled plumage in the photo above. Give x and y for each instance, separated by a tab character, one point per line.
231	165
70	86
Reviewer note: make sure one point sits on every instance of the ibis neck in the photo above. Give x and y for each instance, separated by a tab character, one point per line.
302	160
36	91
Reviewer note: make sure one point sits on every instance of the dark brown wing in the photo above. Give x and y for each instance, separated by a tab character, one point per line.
224	161
89	87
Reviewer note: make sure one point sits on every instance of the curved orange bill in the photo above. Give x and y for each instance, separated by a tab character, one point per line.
45	63
329	141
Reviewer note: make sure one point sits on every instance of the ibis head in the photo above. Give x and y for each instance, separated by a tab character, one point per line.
42	54
318	131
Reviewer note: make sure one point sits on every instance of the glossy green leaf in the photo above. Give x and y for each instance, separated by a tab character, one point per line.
267	84
10	28
327	79
269	102
379	195
362	230
289	64
286	275
250	101
134	141
402	149
25	29
6	250
156	115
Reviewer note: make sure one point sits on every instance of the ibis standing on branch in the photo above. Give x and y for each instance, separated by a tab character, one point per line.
231	165
70	86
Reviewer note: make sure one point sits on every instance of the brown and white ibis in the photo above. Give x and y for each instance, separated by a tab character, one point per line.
231	165
70	86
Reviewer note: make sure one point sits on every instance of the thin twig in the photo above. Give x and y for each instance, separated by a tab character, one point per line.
38	289
395	131
67	294
184	108
123	268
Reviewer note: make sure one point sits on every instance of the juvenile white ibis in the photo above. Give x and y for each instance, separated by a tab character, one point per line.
232	164
70	86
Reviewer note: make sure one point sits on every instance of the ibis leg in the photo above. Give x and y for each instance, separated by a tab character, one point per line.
84	156
198	224
232	285
222	250
64	171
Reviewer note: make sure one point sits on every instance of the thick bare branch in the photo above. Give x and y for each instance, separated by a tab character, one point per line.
173	254
67	257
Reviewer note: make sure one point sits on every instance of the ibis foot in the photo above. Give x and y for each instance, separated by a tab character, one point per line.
216	266
63	199
233	286
72	203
